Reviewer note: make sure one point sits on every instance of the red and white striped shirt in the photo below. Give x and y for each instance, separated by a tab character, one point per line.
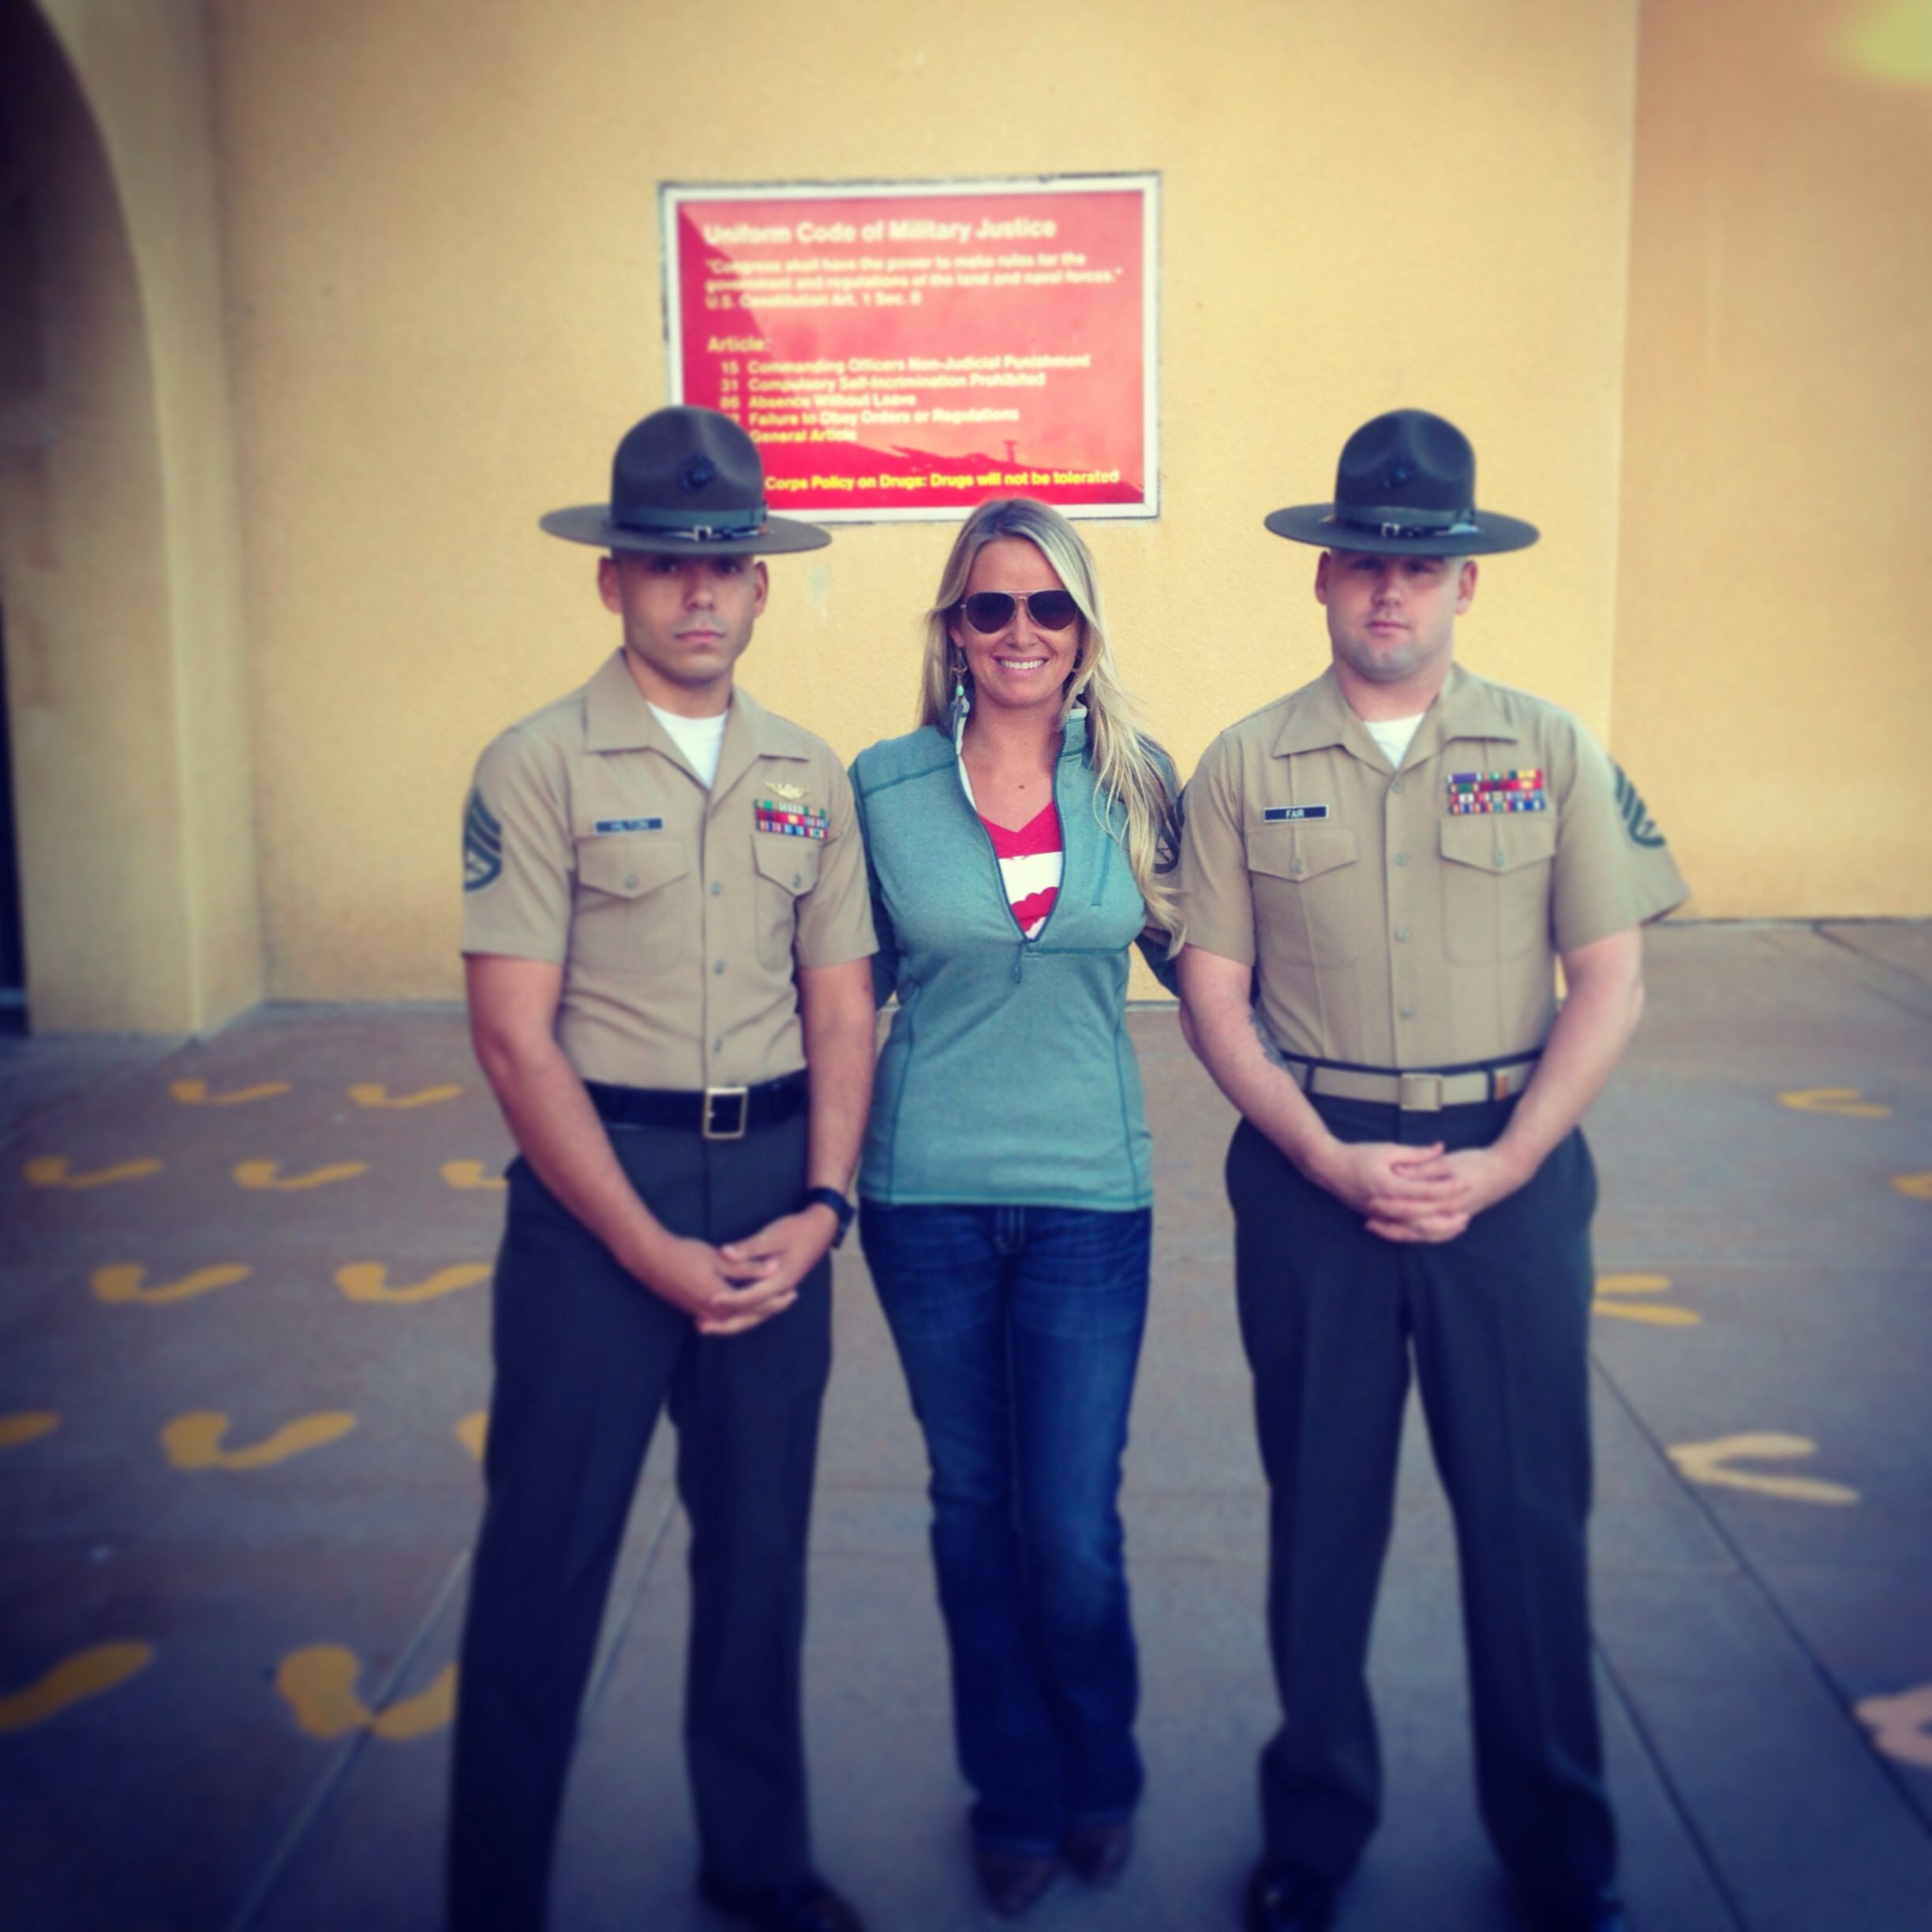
1029	862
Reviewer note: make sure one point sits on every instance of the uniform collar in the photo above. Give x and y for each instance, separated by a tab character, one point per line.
1465	707
1468	707
616	718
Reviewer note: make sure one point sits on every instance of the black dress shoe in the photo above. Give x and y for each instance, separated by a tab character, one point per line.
1098	1853
1013	1882
1602	1912
812	1907
1288	1898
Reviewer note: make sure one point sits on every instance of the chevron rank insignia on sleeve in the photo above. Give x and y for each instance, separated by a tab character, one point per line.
482	844
1637	820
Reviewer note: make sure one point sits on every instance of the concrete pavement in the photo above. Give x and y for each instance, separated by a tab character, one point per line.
243	1347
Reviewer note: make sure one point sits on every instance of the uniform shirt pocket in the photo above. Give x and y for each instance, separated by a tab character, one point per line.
629	915
787	867
1306	888
1496	880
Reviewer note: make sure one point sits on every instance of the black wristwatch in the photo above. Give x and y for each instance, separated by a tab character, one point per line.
831	1197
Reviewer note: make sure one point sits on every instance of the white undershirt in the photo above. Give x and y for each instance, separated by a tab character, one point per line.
1394	736
700	739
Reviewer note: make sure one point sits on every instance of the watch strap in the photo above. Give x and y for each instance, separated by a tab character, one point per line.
831	1197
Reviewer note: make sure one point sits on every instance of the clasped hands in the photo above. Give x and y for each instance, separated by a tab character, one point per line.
1415	1193
728	1289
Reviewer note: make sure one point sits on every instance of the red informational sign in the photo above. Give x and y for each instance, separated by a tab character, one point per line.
903	351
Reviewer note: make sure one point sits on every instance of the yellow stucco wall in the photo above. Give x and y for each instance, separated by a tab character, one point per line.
444	256
1773	674
1661	260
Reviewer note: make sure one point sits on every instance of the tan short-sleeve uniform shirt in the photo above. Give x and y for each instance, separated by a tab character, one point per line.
1411	920
676	912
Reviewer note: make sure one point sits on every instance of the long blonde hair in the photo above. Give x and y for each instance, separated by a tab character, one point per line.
1133	798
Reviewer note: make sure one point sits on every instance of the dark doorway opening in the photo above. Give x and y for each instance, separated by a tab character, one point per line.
13	941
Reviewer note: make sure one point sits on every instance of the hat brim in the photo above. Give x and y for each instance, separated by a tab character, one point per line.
589	523
1316	523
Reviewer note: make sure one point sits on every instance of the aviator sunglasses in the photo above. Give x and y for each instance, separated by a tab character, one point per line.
988	611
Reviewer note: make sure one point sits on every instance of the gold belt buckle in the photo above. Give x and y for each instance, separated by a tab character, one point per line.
1419	1093
713	1097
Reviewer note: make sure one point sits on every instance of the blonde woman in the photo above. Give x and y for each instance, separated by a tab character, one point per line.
1015	843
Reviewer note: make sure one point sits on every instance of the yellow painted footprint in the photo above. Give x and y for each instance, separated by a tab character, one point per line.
1711	1462
266	1176
26	1425
1847	1102
122	1282
318	1685
1918	1185
469	1174
473	1431
373	1095
193	1442
1611	1289
1901	1726
369	1281
195	1093
86	1673
55	1170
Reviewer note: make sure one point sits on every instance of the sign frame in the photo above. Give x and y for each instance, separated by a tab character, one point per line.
672	195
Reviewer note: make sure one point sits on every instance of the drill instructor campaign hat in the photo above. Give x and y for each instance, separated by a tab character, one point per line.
1405	485
686	482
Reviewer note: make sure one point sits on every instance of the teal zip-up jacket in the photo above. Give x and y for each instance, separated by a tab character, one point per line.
1009	1077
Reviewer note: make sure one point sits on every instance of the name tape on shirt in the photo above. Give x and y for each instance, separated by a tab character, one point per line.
1280	815
790	821
1496	791
602	826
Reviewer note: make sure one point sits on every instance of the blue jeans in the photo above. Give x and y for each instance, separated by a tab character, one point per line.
1020	1331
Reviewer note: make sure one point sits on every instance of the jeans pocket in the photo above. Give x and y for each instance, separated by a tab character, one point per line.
933	1265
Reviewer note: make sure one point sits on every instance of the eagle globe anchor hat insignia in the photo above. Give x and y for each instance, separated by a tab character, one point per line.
1405	486
686	481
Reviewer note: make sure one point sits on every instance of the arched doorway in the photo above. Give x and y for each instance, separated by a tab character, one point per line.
135	904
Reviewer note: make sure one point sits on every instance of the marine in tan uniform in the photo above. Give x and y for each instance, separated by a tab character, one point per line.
1378	874
670	991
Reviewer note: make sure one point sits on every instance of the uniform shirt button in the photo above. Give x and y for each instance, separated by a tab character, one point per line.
1408	1013
718	966
717	1046
1501	857
1396	786
1401	857
1296	865
798	879
1402	932
717	885
630	881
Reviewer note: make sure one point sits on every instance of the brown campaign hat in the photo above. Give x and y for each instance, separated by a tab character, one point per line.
1406	486
686	481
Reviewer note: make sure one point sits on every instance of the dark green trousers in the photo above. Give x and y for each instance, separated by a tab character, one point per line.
586	1358
1497	1323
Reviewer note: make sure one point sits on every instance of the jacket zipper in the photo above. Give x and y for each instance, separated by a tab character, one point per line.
1059	826
1021	941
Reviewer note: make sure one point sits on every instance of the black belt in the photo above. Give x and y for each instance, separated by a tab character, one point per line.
1414	1092
717	1112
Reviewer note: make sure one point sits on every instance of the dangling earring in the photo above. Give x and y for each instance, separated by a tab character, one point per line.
962	704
